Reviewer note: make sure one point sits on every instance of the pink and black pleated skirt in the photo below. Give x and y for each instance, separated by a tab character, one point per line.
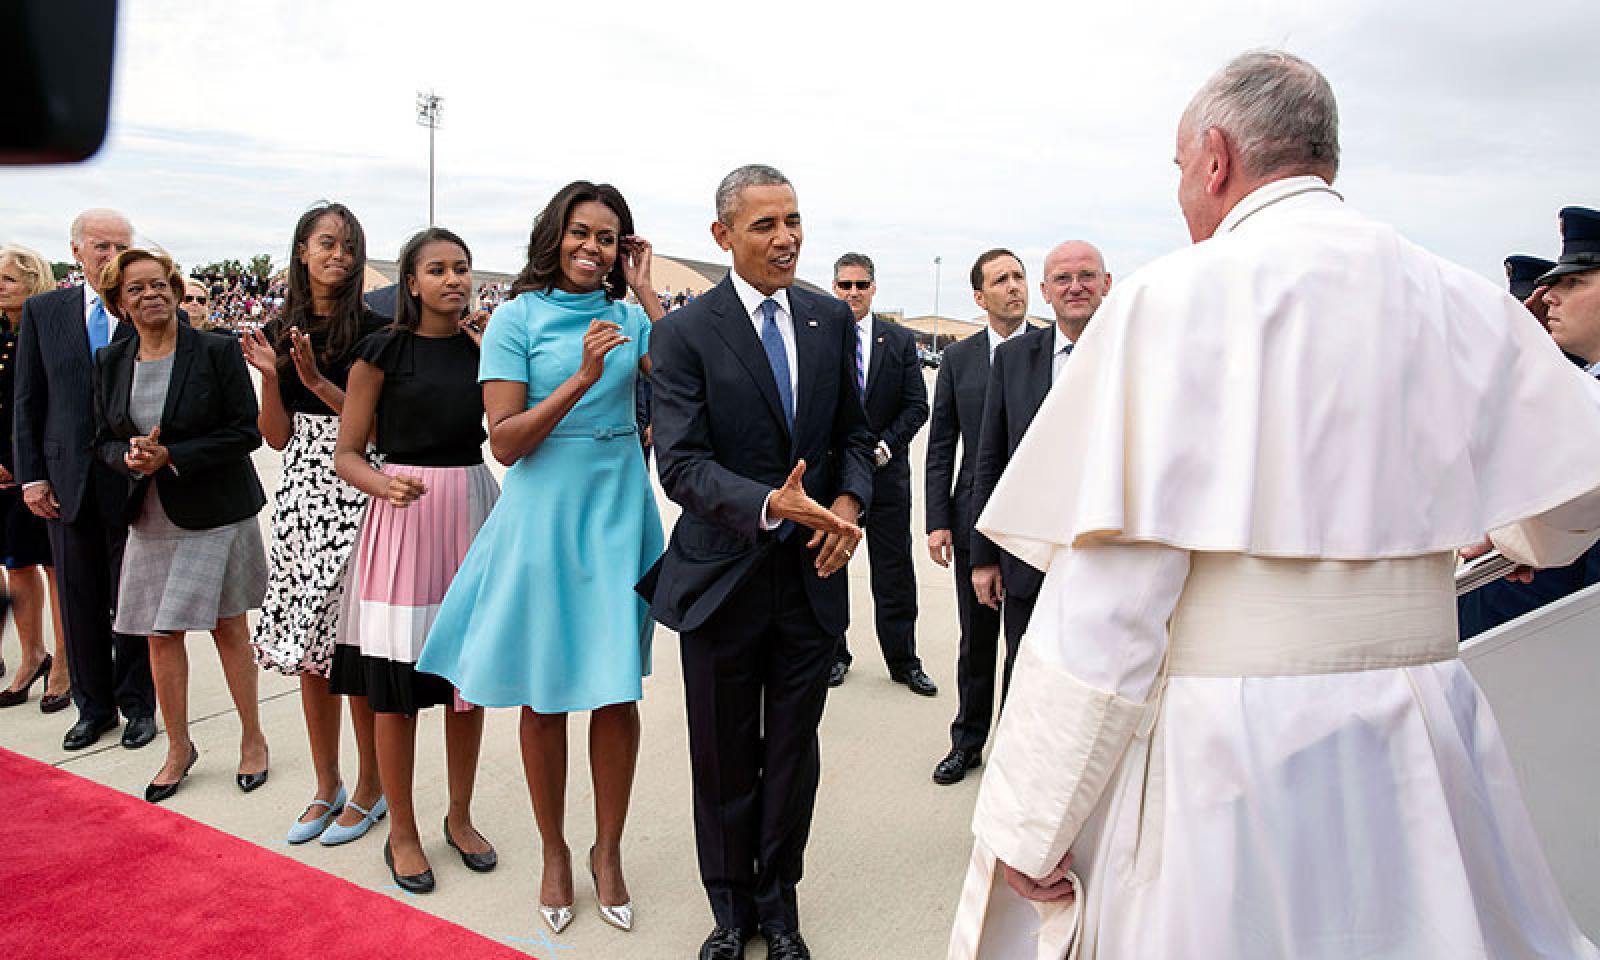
403	563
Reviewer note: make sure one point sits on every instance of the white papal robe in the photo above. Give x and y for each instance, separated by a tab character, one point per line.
1238	702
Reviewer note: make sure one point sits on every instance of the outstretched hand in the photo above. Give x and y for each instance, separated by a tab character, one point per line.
837	535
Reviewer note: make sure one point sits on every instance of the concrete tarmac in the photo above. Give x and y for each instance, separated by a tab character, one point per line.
887	850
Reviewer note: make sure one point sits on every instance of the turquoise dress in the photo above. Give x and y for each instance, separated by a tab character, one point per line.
542	613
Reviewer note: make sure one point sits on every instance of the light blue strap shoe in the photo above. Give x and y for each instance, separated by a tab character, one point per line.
302	831
338	833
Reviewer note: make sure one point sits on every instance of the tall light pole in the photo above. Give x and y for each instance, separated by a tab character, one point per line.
936	262
428	116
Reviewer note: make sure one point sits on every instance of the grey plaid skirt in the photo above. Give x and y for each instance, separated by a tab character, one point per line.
176	580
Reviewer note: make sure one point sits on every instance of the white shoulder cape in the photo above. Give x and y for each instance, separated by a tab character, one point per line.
1305	384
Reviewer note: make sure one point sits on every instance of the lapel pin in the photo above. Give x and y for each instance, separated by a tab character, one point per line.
880	339
811	323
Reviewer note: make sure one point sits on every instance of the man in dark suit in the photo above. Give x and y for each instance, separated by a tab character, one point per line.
1000	287
1075	281
64	482
757	423
890	378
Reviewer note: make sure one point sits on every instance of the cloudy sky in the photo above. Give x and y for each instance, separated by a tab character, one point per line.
912	131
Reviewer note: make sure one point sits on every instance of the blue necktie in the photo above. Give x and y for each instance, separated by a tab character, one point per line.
99	327
777	358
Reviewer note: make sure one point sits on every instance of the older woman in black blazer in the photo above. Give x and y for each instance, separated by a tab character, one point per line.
176	413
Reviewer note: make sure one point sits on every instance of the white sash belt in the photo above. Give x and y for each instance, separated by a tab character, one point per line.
1242	616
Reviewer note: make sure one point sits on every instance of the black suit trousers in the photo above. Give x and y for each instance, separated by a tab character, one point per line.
894	579
108	670
980	640
755	679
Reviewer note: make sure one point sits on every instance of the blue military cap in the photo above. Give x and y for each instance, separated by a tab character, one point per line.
1523	273
1580	243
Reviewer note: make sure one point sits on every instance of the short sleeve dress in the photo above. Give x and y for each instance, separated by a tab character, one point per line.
429	426
542	612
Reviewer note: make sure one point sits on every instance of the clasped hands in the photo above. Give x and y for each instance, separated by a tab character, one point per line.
1054	888
834	530
145	454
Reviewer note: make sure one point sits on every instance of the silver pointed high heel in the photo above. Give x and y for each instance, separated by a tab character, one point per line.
620	916
559	918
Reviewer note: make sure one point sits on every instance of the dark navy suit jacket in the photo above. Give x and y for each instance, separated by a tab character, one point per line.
958	394
1019	380
722	445
54	418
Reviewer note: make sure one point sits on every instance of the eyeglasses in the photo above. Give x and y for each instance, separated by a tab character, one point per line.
1087	278
191	298
852	284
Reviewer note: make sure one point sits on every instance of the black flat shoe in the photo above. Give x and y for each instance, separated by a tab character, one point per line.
139	732
413	883
85	733
725	943
476	862
157	792
11	698
250	781
787	946
953	768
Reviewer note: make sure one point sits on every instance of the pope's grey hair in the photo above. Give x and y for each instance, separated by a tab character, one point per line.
749	175
1276	109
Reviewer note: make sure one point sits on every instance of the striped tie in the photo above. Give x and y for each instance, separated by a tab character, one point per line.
861	369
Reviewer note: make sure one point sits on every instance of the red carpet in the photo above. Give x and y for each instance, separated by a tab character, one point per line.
87	872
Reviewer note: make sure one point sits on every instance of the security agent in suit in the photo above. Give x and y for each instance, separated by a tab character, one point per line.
757	423
83	499
1566	298
1020	374
999	286
889	376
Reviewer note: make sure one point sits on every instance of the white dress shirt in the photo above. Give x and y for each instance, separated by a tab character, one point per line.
1058	356
752	298
995	339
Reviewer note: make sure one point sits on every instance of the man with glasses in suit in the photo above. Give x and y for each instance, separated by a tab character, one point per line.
889	377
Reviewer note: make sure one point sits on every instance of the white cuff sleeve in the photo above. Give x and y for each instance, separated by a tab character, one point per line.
1554	538
767	523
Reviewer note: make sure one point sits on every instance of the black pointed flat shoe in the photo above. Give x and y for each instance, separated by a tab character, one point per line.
249	781
476	862
157	792
410	883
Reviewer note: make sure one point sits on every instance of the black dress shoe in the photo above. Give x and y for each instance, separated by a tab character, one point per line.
55	702
836	673
157	792
476	862
787	945
919	682
953	768
85	733
410	883
250	781
725	943
138	732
